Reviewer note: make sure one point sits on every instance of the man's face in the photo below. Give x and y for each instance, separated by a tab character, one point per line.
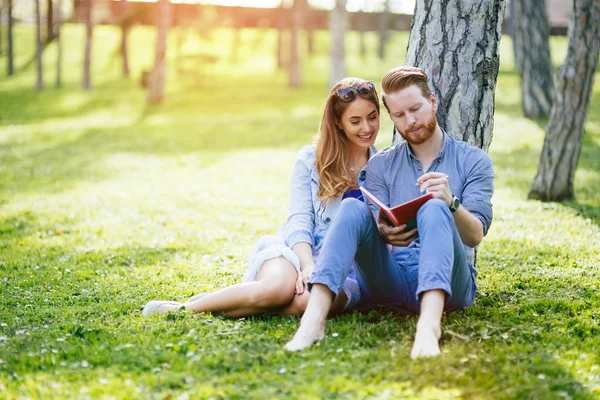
412	114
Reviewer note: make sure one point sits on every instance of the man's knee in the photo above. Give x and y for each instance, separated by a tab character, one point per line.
433	207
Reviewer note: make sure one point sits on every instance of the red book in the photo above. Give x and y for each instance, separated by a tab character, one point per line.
405	213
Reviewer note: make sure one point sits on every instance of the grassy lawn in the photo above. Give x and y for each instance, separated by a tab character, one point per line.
106	203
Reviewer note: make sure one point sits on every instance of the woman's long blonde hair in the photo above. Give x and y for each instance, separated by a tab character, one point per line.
332	152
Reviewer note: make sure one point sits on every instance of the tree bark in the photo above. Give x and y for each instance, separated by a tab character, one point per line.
50	22
573	90
531	33
87	16
337	26
39	83
125	24
157	76
58	44
456	44
295	73
10	58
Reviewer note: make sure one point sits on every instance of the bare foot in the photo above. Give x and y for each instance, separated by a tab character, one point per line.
426	342
160	307
306	336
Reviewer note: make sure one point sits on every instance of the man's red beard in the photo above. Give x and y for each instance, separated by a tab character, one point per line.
425	132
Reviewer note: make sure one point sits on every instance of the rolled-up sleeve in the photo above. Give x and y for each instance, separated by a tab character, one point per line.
479	188
301	217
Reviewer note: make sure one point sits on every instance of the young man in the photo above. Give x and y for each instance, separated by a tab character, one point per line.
428	269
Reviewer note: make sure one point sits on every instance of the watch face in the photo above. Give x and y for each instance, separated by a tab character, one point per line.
455	204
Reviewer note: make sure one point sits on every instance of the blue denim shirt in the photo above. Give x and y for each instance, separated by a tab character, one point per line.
309	218
392	175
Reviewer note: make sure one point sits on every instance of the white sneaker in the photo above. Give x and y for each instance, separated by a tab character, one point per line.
153	307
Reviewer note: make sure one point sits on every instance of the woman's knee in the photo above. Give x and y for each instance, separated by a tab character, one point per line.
277	284
354	207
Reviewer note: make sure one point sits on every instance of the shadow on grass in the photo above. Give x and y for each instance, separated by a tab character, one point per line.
191	121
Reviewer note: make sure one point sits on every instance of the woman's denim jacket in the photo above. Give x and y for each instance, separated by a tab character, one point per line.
309	218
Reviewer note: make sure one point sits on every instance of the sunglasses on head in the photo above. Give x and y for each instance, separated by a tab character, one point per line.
364	90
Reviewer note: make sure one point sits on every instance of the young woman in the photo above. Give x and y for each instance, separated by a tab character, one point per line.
324	174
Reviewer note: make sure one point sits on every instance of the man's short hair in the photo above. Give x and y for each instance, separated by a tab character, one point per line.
402	77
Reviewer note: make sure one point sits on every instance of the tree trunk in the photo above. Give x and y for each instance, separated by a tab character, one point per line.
50	22
337	26
124	31
513	24
39	83
574	84
280	33
87	16
157	76
295	76
10	58
362	34
58	43
533	52
384	19
1	28
310	35
456	44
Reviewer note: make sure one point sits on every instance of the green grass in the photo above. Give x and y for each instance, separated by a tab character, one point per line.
106	203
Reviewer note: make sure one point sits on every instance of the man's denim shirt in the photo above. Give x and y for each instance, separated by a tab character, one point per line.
309	218
392	175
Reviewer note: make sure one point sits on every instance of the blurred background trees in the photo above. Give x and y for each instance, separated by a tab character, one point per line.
460	53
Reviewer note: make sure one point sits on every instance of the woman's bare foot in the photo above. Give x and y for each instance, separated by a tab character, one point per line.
307	335
426	342
160	307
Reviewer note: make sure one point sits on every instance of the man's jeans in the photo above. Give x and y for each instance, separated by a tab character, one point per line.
436	260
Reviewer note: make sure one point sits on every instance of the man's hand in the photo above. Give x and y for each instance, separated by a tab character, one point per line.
395	235
436	183
303	279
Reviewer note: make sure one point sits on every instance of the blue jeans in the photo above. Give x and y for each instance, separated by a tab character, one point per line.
436	260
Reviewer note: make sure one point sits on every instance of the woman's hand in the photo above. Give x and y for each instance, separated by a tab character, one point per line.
396	235
303	279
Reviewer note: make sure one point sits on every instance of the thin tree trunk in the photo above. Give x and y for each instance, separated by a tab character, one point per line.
573	90
456	44
157	76
39	83
513	25
533	52
124	31
10	58
384	19
58	43
337	26
87	16
362	33
1	28
50	21
295	73
280	35
310	33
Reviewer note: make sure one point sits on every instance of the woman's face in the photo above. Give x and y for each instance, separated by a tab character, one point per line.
360	123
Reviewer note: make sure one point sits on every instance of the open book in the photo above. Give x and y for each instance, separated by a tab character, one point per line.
405	213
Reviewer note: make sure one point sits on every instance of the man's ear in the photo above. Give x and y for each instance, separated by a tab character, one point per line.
434	103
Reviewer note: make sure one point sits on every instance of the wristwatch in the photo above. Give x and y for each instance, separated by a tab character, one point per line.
454	204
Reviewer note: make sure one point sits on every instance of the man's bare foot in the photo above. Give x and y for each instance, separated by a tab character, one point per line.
306	336
426	342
